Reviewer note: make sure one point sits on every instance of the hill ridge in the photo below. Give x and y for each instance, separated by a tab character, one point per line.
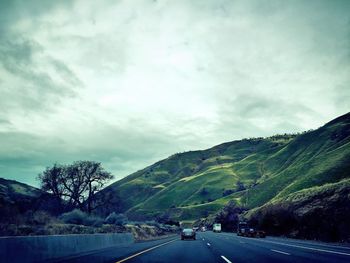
249	171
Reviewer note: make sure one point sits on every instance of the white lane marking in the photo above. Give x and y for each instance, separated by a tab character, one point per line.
224	258
203	239
145	251
208	244
309	248
281	252
314	244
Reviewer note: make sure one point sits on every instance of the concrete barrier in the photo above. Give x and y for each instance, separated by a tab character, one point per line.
45	248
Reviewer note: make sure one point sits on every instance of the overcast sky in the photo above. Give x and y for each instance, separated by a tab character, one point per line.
128	83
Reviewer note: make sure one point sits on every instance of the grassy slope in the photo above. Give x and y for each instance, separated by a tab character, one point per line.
17	198
191	185
319	212
12	191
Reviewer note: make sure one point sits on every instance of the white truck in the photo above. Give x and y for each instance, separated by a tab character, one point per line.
217	227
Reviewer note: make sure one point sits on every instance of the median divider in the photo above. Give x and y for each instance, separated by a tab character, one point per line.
46	248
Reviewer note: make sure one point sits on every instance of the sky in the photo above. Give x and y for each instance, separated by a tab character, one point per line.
128	83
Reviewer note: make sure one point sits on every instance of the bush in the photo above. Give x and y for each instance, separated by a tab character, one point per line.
74	217
42	218
228	192
203	192
78	217
229	216
240	186
116	219
94	221
33	218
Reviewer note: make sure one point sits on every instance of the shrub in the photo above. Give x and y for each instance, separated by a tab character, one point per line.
229	216
74	217
93	220
116	219
240	186
33	218
203	192
228	192
78	217
42	218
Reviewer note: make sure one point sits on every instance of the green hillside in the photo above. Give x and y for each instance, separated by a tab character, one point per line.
17	198
12	191
252	172
319	212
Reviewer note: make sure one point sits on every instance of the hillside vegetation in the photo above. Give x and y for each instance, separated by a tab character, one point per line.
13	191
18	199
279	183
250	172
294	214
26	210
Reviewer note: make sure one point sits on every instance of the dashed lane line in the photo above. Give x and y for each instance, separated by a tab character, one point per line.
308	248
300	242
224	258
281	252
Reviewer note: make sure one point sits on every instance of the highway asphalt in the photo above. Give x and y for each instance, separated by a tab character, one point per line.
223	248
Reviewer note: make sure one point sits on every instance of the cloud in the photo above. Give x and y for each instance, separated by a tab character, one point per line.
130	82
31	80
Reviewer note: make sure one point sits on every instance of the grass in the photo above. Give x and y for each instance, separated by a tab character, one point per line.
12	190
194	182
305	195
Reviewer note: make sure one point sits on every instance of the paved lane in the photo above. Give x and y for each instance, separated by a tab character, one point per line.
195	251
113	254
222	248
228	248
240	249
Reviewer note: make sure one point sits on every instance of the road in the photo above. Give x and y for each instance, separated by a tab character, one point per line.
223	248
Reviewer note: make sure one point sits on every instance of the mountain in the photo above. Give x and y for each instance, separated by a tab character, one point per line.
251	172
17	198
15	192
319	212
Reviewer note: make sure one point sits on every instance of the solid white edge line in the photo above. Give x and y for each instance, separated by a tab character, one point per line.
281	252
224	258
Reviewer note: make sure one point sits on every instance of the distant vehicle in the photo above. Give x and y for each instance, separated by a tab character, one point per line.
217	227
195	228
245	230
260	233
203	229
188	233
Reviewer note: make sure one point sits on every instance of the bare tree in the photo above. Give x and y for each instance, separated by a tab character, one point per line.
51	182
76	184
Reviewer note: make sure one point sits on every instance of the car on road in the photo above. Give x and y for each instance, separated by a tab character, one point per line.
203	229
188	233
245	230
261	233
217	227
